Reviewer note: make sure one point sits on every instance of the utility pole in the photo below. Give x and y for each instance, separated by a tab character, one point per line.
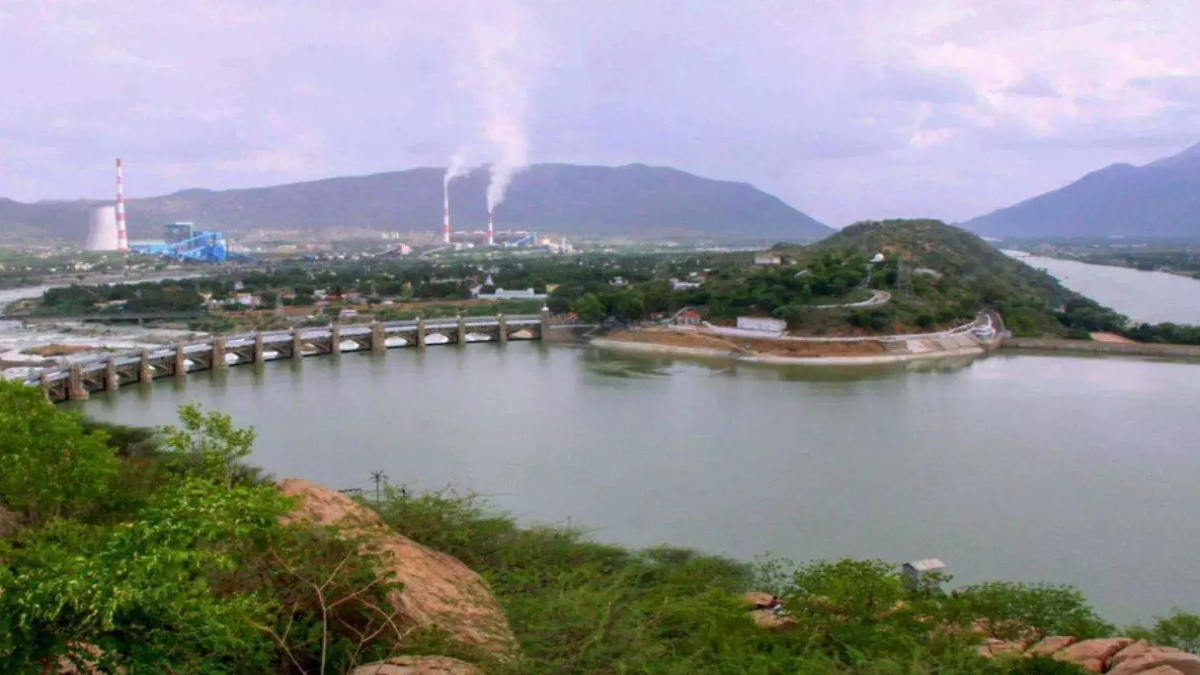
379	478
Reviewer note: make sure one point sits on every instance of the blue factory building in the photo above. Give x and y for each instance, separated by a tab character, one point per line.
182	241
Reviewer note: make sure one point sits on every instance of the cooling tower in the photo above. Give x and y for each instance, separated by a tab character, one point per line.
102	230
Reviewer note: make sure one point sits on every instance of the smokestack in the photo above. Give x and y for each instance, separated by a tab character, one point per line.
491	231
446	212
122	235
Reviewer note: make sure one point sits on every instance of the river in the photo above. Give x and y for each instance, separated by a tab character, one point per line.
1150	297
1020	467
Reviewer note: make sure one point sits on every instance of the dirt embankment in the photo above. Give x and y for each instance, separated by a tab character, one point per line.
61	350
742	345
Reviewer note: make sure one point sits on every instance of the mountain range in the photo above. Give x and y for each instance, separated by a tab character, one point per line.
1160	199
631	200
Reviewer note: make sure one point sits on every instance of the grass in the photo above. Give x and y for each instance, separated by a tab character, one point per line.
577	606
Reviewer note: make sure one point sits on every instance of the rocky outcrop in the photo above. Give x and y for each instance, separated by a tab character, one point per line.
438	590
418	665
1111	656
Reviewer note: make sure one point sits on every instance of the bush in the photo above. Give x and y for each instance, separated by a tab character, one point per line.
53	467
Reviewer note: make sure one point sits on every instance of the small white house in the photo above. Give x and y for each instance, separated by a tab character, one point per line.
913	572
761	324
767	259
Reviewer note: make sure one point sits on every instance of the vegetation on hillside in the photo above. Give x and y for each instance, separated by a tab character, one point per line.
162	552
931	276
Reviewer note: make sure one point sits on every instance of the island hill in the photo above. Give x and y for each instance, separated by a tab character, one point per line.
853	293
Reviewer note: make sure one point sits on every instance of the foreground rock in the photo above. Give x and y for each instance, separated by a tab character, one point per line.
1111	656
418	665
439	591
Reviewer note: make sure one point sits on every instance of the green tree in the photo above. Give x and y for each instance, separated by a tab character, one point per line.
52	467
589	308
210	443
1180	630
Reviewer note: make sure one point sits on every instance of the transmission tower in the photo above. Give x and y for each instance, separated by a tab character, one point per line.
904	282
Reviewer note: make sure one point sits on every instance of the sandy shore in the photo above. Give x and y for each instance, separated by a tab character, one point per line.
832	360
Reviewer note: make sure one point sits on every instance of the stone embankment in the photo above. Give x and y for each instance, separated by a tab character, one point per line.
794	351
1100	347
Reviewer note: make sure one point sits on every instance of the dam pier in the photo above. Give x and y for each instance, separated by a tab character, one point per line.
76	381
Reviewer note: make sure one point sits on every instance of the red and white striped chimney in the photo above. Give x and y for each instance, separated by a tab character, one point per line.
122	235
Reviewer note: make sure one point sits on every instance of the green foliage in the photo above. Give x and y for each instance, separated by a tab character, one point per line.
582	607
1180	630
209	444
1015	609
52	467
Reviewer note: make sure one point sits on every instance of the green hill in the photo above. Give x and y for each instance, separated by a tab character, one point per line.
954	275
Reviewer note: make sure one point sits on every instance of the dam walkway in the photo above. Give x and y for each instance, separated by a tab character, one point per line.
109	372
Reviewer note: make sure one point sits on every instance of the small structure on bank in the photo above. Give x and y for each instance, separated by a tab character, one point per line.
916	571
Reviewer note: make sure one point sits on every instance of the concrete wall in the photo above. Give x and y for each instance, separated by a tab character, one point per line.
1095	347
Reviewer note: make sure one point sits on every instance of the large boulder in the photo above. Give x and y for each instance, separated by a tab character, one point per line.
1155	658
438	590
1093	655
1111	656
418	665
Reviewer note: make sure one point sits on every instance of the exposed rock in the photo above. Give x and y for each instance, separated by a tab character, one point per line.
1134	650
759	599
1093	654
1161	670
439	591
1050	645
1155	658
418	665
994	647
771	620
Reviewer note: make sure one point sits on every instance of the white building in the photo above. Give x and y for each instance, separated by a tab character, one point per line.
767	259
761	324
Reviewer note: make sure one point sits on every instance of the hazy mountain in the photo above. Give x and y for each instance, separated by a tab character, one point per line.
1160	199
627	200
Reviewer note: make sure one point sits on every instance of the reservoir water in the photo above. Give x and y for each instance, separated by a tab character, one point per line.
1151	297
1020	467
1033	468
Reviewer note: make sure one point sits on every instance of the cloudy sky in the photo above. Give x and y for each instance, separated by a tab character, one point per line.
846	110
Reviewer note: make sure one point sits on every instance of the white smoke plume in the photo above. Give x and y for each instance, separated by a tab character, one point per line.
502	96
458	168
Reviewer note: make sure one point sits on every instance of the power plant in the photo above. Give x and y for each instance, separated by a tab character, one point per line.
102	232
182	241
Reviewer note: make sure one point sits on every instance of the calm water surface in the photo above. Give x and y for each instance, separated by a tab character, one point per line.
1011	467
1152	297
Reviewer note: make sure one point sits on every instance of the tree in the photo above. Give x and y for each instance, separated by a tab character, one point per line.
589	308
209	442
1180	630
52	467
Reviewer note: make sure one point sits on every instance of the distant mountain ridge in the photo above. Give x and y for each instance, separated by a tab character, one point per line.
1160	199
630	200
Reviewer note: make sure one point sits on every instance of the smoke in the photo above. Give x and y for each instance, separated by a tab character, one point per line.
458	168
501	88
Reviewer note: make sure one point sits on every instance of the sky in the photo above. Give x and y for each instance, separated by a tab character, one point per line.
846	110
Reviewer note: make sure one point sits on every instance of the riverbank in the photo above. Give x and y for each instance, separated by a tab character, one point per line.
856	352
1102	347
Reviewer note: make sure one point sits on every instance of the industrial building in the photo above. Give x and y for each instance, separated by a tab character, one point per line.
102	234
182	241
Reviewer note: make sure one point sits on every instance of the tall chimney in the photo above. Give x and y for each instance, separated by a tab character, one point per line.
491	231
446	212
122	235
